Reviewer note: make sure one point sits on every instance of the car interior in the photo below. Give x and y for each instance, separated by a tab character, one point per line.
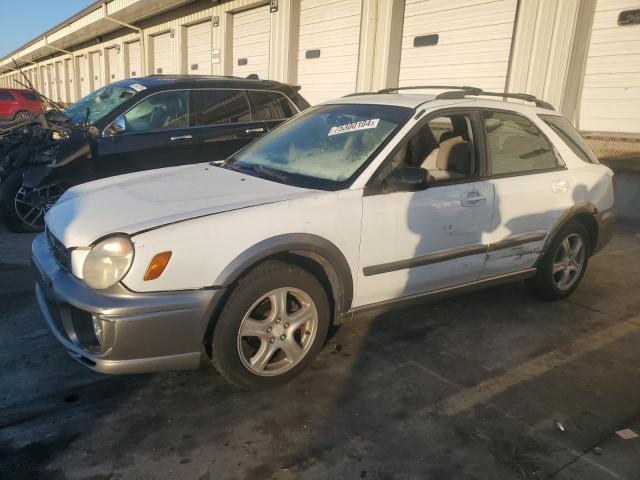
443	146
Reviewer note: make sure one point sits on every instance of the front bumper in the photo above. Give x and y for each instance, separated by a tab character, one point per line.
606	225
142	332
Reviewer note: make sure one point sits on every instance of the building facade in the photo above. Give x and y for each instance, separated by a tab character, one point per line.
583	56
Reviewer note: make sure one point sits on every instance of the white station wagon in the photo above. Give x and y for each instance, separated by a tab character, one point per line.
360	203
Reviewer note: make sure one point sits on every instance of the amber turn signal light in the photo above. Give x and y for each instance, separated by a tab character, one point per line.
157	266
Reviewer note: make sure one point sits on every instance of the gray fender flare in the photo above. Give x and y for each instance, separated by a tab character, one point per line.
308	245
577	209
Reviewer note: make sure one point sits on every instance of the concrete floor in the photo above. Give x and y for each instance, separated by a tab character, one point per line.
464	388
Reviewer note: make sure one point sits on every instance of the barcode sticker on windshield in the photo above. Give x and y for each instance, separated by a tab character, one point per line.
137	87
354	127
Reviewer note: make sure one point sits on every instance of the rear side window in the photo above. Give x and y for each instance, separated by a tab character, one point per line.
270	106
6	96
515	145
30	96
571	137
212	107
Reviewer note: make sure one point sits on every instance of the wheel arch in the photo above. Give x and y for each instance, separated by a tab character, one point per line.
312	252
583	213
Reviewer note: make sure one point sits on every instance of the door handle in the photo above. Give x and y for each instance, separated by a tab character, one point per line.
561	186
181	137
254	130
471	199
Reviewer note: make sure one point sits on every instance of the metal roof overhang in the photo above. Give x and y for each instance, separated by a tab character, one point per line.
86	26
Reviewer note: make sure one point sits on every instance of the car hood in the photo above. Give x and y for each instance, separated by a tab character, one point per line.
144	200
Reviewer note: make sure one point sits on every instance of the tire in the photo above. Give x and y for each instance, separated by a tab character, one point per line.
23	115
568	271
10	202
240	358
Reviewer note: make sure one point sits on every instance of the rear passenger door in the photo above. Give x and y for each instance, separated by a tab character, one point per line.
532	190
221	123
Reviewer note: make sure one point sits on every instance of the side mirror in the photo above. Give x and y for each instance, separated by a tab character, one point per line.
118	126
406	179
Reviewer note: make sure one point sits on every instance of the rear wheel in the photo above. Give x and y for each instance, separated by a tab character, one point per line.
272	325
23	116
561	269
23	208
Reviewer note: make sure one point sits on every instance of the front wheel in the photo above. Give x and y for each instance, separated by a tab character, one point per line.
23	208
272	325
561	269
23	116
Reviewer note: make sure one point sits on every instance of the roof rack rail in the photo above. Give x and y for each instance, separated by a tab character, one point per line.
470	90
479	92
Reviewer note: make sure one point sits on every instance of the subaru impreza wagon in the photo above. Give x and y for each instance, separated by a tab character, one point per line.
361	203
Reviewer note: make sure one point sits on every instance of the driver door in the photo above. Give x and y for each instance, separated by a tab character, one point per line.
156	135
415	242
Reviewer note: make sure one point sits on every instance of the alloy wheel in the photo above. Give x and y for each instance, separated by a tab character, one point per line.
31	204
278	331
568	262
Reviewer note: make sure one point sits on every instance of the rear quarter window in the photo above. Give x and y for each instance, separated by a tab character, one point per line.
571	137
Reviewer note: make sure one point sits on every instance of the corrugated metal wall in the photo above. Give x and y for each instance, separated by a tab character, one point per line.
367	45
611	91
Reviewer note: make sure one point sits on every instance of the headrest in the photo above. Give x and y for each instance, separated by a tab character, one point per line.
454	155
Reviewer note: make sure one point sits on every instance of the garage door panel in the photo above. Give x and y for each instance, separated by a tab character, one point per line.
625	79
335	31
474	42
614	34
251	42
626	47
612	93
162	54
96	70
135	62
199	48
617	63
112	65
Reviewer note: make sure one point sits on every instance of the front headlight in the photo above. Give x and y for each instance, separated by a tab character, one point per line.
108	262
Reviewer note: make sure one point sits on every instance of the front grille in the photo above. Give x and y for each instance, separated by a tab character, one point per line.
60	253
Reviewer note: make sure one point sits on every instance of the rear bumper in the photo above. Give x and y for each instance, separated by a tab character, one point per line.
606	225
141	332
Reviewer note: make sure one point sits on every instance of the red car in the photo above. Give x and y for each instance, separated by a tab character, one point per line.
18	105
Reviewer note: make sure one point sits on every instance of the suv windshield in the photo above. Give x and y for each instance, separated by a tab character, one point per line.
99	103
325	147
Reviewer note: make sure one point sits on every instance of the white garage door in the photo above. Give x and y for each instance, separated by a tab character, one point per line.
199	49
611	91
83	76
60	84
96	71
328	48
162	54
66	77
51	82
112	65
251	39
134	62
457	42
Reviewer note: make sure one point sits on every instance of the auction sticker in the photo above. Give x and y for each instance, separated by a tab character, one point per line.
137	87
354	127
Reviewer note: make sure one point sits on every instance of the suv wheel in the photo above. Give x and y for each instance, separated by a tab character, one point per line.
272	325
563	266
23	116
23	208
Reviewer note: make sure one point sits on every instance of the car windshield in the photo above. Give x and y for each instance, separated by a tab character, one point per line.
99	103
325	147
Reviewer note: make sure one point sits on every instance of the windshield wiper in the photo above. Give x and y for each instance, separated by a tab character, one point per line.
259	169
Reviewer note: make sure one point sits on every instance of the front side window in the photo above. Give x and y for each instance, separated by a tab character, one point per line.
161	111
326	146
96	105
270	106
212	107
571	137
444	146
515	145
